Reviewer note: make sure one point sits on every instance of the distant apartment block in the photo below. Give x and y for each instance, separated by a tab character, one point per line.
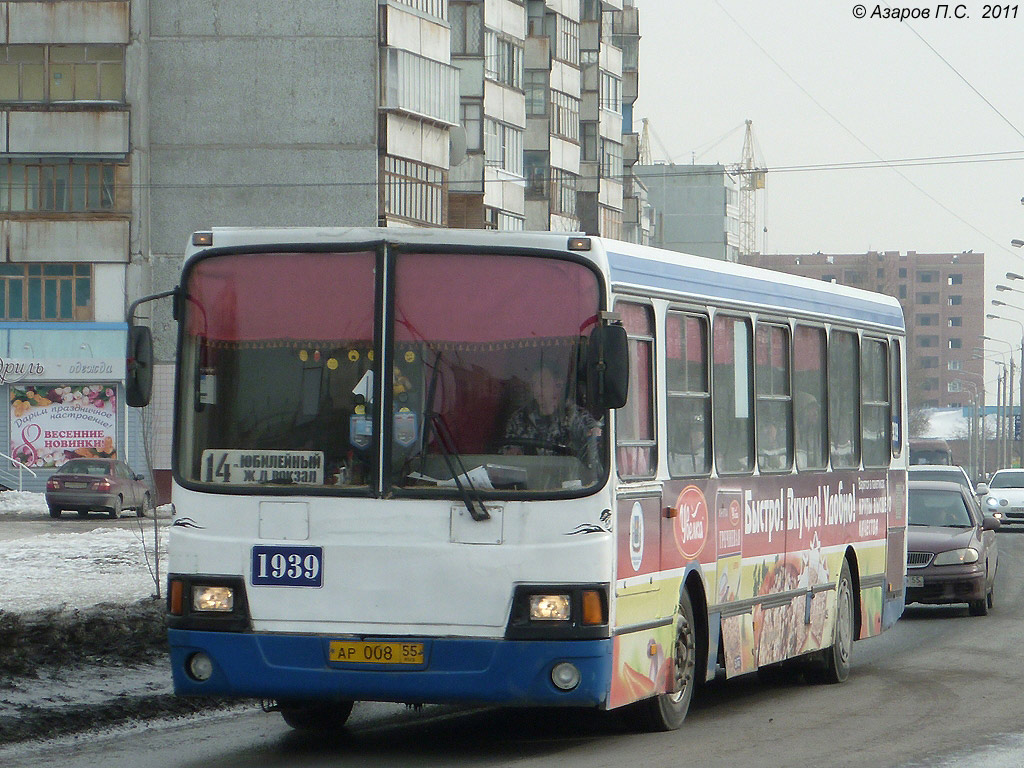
943	298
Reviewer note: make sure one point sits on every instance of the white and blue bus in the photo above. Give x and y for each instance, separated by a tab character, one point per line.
354	519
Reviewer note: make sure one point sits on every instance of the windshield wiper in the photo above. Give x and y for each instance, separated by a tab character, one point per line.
452	459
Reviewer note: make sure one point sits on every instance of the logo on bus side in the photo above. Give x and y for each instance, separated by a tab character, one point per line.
691	527
636	536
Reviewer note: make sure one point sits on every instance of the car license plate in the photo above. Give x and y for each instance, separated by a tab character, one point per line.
915	581
73	484
275	566
372	652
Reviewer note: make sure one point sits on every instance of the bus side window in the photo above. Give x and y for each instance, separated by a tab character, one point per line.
733	394
809	397
843	399
874	387
689	400
774	399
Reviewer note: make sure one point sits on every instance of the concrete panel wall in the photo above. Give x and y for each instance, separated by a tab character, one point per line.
54	240
261	117
108	293
69	21
102	132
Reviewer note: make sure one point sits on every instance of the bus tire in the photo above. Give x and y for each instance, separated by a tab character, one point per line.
316	716
666	711
837	656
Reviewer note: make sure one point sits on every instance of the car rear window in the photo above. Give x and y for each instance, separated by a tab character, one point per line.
78	467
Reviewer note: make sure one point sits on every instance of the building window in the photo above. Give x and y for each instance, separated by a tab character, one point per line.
611	92
419	85
567	41
955	301
611	159
955	365
956	279
588	142
955	322
927	341
536	83
46	291
64	185
413	191
565	116
503	146
50	73
535	169
956	343
929	362
563	192
503	59
954	386
927	298
431	7
902	292
926	319
473	121
903	272
467	24
927	276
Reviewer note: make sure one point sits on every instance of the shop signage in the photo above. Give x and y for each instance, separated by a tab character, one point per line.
13	370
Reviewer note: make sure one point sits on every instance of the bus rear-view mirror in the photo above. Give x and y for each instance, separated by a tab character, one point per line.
138	385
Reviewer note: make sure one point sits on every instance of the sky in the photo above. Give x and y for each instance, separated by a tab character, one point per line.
78	568
824	88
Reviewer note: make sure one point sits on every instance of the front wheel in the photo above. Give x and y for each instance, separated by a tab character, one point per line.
666	711
837	656
319	716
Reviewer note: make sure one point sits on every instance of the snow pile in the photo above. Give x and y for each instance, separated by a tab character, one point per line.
76	569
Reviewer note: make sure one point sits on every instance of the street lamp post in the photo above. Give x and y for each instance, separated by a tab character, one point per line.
998	303
1008	391
972	432
979	421
1001	383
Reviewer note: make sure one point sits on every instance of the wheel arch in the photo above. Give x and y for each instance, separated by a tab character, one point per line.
851	559
693	586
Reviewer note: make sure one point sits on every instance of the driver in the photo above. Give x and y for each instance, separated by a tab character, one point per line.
547	426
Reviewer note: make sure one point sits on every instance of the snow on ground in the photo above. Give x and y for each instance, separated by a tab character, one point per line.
76	569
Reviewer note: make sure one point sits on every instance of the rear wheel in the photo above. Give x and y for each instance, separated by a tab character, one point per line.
837	656
666	711
83	513
115	509
146	507
319	716
54	511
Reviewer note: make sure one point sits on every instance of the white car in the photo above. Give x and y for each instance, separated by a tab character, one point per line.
1005	498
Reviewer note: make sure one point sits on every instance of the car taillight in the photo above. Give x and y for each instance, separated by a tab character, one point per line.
103	485
52	484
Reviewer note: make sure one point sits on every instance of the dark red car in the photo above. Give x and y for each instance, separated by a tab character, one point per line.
951	547
105	485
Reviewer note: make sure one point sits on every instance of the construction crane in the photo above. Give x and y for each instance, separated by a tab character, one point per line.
644	153
751	179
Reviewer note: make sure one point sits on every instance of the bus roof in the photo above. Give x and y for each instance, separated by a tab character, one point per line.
632	268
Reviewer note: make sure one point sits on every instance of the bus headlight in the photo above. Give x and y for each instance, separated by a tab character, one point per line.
207	598
956	557
550	608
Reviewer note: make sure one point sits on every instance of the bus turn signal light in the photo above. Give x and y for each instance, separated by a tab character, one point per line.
593	608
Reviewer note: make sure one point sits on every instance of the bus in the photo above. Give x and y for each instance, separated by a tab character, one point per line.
719	488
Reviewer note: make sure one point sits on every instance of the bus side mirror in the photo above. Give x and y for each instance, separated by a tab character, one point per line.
607	367
138	384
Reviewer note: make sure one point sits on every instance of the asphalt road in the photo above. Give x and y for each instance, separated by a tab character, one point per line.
940	689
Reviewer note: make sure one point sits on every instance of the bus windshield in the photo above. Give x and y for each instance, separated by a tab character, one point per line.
280	366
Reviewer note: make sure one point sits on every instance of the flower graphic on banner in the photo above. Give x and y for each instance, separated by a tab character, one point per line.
50	425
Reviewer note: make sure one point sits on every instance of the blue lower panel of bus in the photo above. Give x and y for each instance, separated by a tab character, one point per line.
456	670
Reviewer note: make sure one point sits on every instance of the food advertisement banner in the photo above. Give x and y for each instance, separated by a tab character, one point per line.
52	424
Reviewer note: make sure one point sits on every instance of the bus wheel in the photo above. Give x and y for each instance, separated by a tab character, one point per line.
316	716
837	657
667	711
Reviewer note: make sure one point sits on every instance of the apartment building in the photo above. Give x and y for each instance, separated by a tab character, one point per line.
943	298
67	195
129	124
697	208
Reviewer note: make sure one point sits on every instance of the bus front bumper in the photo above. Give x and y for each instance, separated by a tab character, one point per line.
456	670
